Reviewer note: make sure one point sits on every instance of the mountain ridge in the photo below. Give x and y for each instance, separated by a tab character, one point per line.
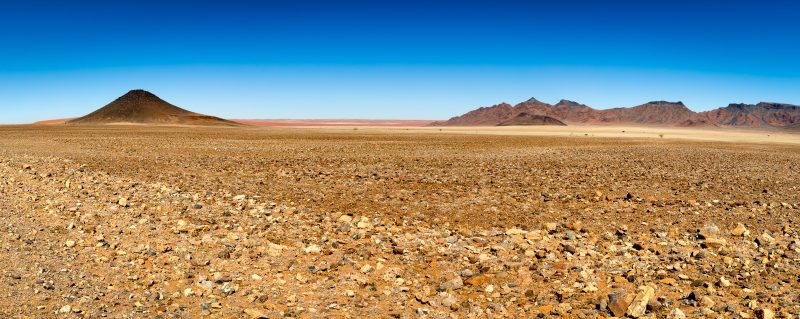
764	115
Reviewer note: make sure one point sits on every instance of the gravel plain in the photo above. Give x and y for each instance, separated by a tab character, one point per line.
183	222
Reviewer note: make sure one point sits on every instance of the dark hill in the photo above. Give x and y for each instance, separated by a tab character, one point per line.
142	107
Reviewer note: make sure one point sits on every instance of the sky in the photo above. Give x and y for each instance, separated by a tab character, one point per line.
392	59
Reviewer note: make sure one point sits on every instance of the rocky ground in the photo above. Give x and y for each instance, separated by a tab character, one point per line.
228	223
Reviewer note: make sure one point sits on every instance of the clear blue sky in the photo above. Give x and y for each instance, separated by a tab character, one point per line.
392	59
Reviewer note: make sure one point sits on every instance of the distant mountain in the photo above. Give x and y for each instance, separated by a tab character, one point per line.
142	107
656	113
483	116
659	113
761	115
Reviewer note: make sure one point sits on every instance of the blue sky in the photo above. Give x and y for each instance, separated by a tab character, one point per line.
392	59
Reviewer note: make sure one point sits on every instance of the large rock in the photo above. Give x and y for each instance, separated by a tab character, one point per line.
639	305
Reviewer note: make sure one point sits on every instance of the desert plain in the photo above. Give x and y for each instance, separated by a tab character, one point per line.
398	222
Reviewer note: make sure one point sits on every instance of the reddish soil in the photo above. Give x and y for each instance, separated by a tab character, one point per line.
336	122
51	122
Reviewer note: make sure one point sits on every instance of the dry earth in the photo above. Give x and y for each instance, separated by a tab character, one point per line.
180	222
336	122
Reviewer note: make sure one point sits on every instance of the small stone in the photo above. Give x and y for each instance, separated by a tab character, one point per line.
489	288
709	231
123	202
313	249
345	218
546	309
65	309
715	243
477	280
740	230
182	225
275	250
765	313
452	284
256	313
188	292
677	314
349	293
364	223
668	281
707	302
766	238
550	227
724	282
618	303
239	198
449	301
366	268
228	288
69	243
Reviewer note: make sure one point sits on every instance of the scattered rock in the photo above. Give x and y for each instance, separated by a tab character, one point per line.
639	305
740	231
256	313
452	284
618	303
765	313
65	309
313	249
677	314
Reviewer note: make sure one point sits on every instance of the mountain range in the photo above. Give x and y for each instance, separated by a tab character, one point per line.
657	113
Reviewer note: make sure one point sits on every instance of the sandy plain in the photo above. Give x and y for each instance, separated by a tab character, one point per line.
348	222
